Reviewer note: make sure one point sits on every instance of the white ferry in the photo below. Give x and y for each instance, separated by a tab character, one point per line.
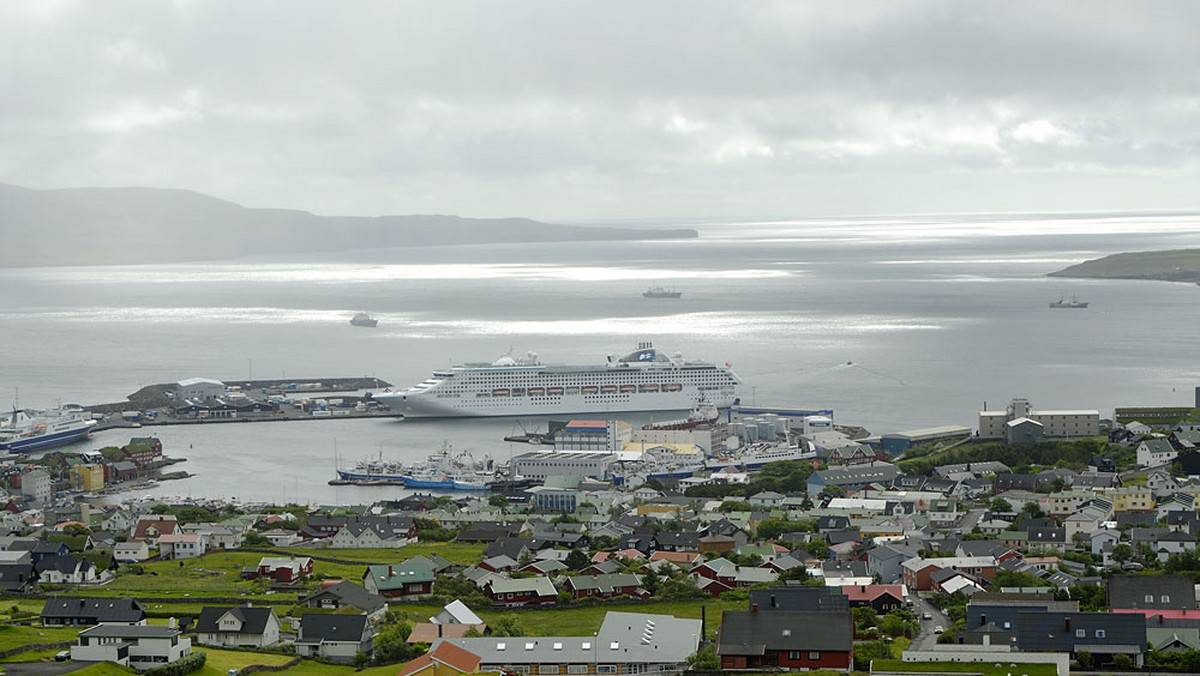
643	380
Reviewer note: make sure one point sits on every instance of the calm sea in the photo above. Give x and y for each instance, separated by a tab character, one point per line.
895	323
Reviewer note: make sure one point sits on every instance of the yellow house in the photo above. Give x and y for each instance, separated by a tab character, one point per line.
646	510
1130	498
87	477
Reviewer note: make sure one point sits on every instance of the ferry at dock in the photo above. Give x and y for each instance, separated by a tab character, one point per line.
24	431
643	380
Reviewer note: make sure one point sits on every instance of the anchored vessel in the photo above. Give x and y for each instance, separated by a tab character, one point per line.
643	380
660	292
24	431
363	319
1073	304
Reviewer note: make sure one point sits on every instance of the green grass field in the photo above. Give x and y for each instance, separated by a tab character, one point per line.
13	636
104	669
586	620
985	668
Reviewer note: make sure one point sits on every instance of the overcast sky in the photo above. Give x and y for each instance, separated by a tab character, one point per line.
568	111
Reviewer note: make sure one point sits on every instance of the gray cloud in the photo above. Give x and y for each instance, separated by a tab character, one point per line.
607	110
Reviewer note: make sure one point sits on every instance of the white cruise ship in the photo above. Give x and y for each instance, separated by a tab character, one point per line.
643	380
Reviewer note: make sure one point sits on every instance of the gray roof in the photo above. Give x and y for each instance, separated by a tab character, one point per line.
94	610
254	620
130	631
745	632
317	627
800	598
624	638
351	594
876	471
1166	592
1060	632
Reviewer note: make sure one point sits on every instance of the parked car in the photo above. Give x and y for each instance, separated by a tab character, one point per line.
62	656
926	616
938	629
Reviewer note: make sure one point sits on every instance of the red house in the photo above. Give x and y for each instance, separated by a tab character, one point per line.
604	586
917	571
284	570
788	639
881	597
523	592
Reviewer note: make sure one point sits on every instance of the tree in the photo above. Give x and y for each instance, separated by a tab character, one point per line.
818	547
651	582
1122	552
391	643
508	625
864	616
1033	510
498	500
1000	505
577	560
705	660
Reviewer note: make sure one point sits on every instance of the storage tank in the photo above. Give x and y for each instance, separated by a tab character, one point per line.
751	434
766	428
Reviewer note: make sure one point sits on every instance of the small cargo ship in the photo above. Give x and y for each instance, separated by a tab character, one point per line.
660	292
1072	304
364	319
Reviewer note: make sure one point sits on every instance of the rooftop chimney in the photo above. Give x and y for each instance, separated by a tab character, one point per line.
390	572
982	619
754	607
1068	624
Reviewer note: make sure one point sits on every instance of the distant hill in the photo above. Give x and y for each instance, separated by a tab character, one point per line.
110	226
1180	265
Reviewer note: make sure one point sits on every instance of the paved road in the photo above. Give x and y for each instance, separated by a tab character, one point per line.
43	668
925	637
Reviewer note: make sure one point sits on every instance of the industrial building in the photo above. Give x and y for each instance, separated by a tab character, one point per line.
542	464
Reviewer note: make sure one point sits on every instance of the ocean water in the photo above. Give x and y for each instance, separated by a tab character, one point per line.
894	323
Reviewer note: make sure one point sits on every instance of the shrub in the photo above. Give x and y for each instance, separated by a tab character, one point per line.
193	662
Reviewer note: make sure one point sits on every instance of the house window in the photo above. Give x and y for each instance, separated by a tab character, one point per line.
1081	633
1149	598
577	669
814	655
606	668
794	654
549	668
1166	598
1100	633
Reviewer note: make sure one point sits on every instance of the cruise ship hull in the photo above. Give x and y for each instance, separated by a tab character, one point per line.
421	405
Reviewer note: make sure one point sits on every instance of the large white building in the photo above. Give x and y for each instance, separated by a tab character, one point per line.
1055	423
199	389
541	464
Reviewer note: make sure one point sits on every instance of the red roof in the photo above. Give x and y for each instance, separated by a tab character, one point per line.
588	424
870	592
448	654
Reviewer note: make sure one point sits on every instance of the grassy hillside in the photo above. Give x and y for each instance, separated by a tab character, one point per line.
1181	265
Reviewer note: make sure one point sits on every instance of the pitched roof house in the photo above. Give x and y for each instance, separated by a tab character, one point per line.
243	626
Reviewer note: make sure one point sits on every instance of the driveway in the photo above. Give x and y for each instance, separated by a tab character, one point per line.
925	637
43	668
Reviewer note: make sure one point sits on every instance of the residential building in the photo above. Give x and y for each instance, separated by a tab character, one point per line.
1155	452
917	571
87	477
412	579
604	586
139	646
282	569
346	594
797	640
523	592
1103	635
240	627
131	551
1151	592
71	612
446	659
182	545
35	486
335	637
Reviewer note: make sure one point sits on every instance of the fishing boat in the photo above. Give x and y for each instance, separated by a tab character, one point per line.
1072	304
364	319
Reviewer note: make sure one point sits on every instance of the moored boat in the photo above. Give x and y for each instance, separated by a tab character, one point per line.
24	431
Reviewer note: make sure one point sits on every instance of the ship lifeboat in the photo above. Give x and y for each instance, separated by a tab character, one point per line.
518	391
627	389
651	387
672	387
500	392
554	391
589	389
537	391
608	389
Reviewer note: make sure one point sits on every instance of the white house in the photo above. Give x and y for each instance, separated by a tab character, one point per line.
334	637
182	545
238	627
132	551
1155	452
137	646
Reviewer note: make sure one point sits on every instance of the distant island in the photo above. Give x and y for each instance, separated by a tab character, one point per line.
129	226
1180	265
